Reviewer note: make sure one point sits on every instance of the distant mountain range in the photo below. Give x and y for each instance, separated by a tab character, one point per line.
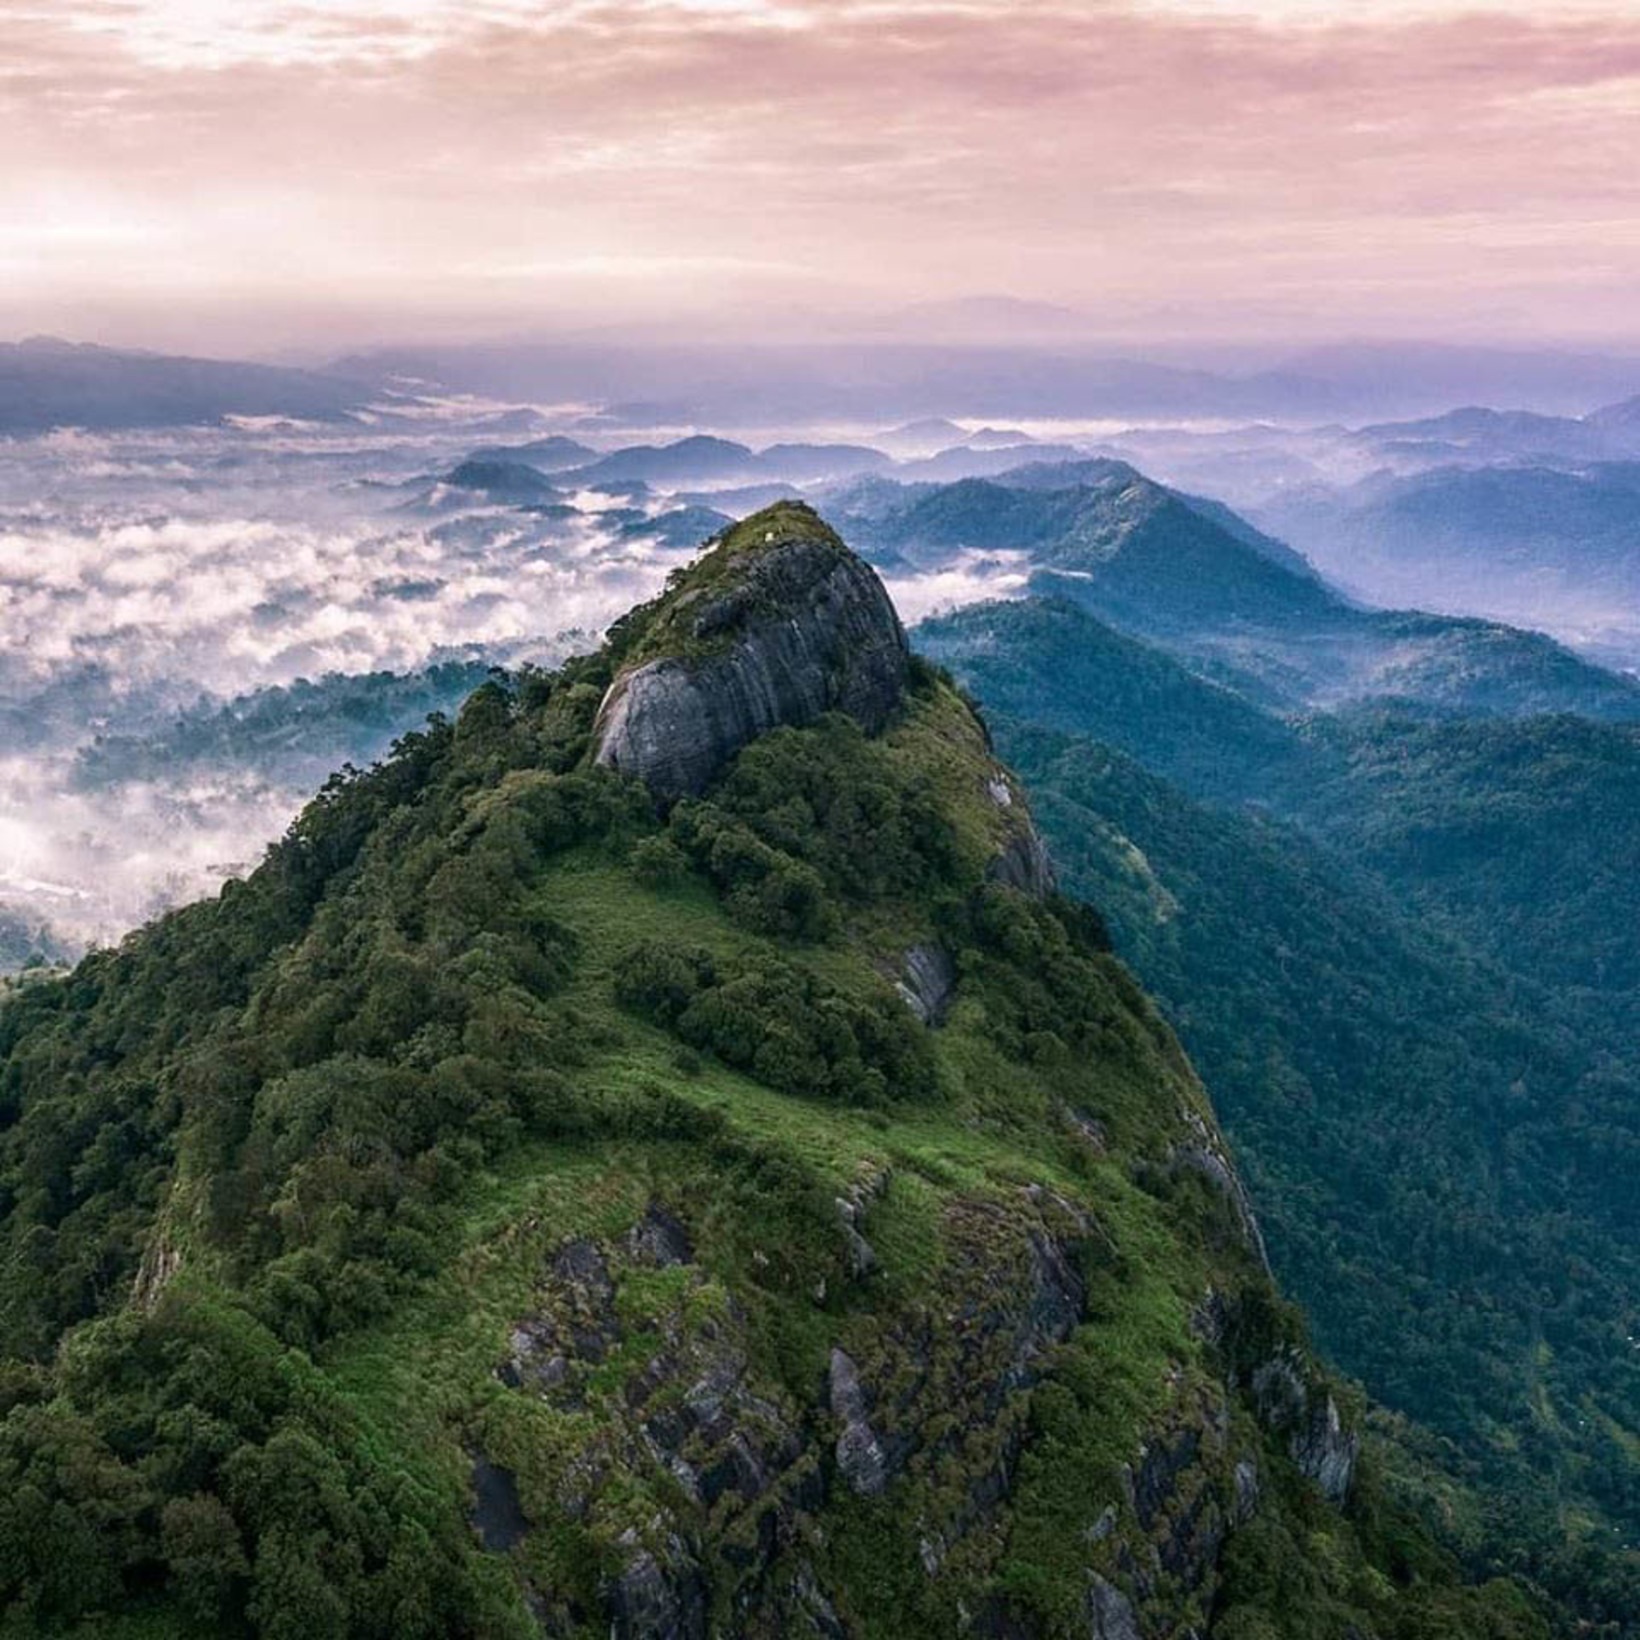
1173	568
997	362
47	383
1214	591
1002	363
708	462
1553	544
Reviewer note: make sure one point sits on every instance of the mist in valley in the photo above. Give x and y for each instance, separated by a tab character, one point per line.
199	622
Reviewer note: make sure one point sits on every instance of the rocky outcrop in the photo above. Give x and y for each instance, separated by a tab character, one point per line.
927	979
1205	1154
656	1600
1289	1403
1325	1450
1023	861
496	1514
647	1359
860	1457
161	1260
781	624
672	1398
860	1257
1110	1613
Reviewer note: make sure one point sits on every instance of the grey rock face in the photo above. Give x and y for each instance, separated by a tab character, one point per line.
496	1514
1024	863
691	1411
860	1455
927	979
1325	1451
1247	1491
1207	1157
814	1608
1110	1615
660	1240
649	1603
1321	1446
806	629
860	1256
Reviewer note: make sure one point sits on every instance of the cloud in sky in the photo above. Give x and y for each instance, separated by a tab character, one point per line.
174	168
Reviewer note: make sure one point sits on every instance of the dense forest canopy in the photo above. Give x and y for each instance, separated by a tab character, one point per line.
1400	951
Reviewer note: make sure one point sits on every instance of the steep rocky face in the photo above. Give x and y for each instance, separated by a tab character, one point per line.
1290	1403
926	1406
778	624
1023	861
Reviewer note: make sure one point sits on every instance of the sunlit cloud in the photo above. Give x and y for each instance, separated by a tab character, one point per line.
404	163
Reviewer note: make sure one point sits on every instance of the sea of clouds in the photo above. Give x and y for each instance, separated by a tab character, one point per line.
143	576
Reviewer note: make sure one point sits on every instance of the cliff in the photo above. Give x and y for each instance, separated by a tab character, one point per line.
776	624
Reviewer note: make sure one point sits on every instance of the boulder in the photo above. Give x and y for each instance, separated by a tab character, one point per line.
780	624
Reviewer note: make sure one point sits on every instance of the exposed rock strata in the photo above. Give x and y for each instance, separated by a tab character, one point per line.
1023	861
803	628
1319	1442
927	979
931	1408
1206	1155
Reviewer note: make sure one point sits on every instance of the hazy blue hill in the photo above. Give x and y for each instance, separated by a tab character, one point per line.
46	383
810	463
971	461
1133	548
1624	416
678	529
1508	516
293	735
998	438
923	437
1561	544
554	454
1452	664
740	499
1052	663
695	460
1479	435
25	941
502	481
1225	599
704	460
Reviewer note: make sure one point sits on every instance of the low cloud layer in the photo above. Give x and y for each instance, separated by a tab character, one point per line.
157	589
138	575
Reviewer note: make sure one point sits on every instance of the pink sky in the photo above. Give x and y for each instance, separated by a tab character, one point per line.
253	173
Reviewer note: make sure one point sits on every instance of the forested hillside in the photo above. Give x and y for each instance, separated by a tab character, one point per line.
522	1206
1399	953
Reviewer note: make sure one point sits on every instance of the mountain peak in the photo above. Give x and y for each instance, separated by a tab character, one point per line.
776	623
